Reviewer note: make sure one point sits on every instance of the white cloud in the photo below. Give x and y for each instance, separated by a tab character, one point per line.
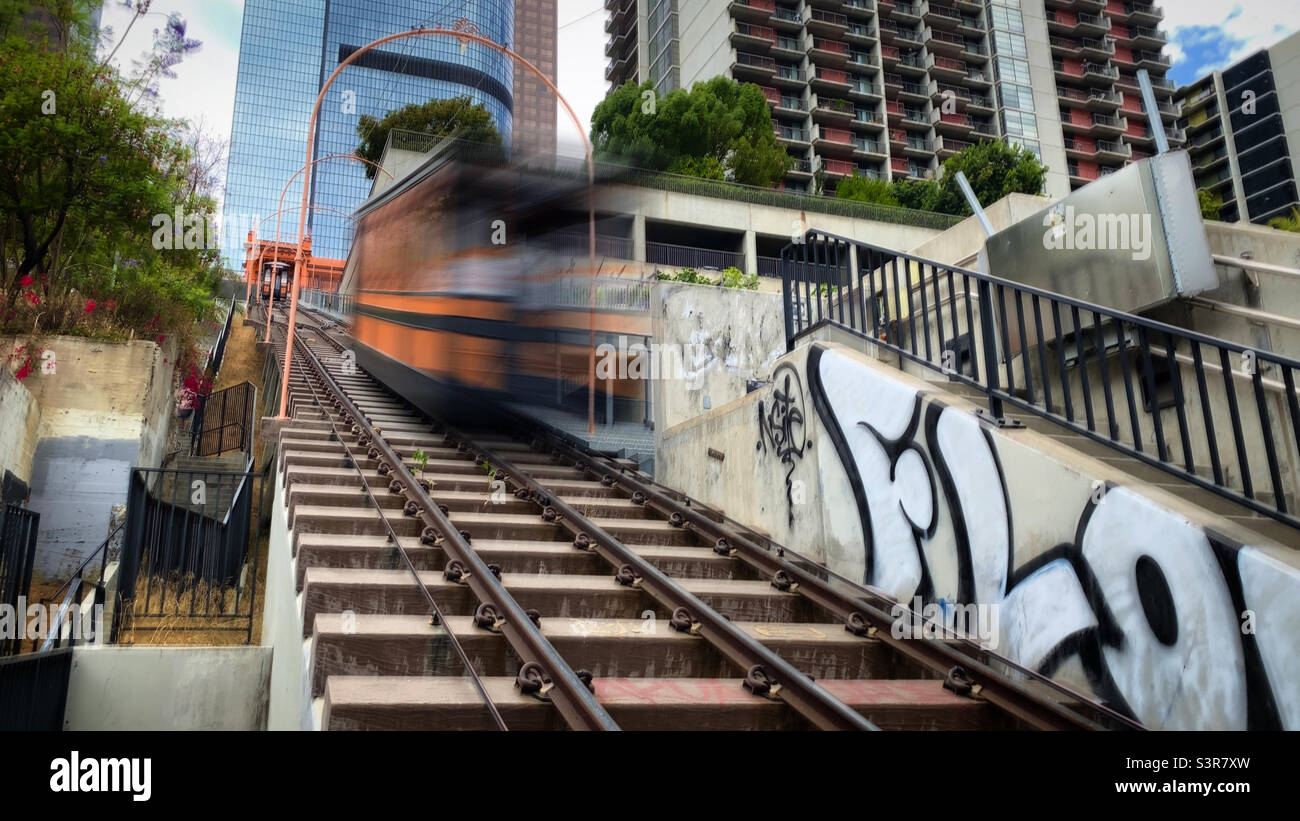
1244	26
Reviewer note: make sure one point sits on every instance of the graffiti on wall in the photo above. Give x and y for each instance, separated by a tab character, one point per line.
1167	622
781	426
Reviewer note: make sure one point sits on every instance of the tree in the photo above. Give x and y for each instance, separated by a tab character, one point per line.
994	170
719	129
457	116
866	189
919	195
85	170
1210	203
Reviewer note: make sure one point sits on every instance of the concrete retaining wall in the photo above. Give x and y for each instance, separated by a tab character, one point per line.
168	688
282	626
1173	614
20	419
106	407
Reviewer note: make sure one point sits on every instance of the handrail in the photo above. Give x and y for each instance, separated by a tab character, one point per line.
53	637
817	274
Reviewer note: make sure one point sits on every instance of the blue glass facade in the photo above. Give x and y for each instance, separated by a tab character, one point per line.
288	49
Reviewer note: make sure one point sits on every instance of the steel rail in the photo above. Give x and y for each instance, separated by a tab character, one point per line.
787	683
870	615
439	618
560	684
860	615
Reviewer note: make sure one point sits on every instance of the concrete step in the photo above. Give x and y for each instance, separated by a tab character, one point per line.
334	590
433	703
608	648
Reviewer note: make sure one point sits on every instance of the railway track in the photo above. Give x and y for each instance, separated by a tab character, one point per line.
517	581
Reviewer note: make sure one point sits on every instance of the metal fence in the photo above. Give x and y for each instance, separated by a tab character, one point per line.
224	421
18	527
218	352
34	690
186	561
336	304
1214	413
684	256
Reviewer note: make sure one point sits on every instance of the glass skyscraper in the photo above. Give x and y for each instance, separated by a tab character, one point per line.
289	48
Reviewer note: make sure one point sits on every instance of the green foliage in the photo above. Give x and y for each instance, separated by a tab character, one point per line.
420	458
866	189
1291	222
459	117
1210	203
732	277
994	170
719	129
919	195
85	166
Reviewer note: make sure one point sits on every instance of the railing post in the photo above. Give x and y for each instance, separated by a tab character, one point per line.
787	291
990	347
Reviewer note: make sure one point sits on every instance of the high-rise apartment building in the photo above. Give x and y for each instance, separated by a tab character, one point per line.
534	111
288	48
891	89
1243	131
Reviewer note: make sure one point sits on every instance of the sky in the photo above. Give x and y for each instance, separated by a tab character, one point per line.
1204	35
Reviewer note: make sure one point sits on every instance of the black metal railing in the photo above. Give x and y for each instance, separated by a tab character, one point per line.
34	691
18	527
578	243
224	420
186	562
1217	414
71	597
218	352
683	256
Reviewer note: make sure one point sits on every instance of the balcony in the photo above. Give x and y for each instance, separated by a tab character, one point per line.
832	141
827	52
954	123
786	19
1078	24
860	8
971	26
621	14
981	103
918	147
826	23
751	11
1090	99
1093	49
1145	37
943	42
753	66
905	12
865	147
837	168
801	168
1151	60
912	63
1079	148
1107	125
789	77
974	52
788	104
949	146
753	38
1205	163
977	78
792	135
829	79
914	92
1088	73
787	48
1113	151
861	61
869	119
865	90
941	16
828	5
946	68
860	34
832	110
890	55
1141	14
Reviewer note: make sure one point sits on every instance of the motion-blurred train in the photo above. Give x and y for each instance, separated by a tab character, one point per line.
275	281
471	282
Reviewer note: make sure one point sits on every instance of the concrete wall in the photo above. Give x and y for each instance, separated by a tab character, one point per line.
168	688
725	338
1166	611
282	626
20	419
961	244
105	407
